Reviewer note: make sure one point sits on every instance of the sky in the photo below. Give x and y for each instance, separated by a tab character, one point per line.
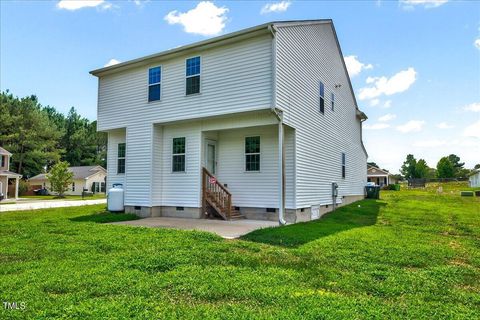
414	64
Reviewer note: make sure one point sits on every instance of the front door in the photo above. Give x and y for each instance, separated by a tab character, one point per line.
211	156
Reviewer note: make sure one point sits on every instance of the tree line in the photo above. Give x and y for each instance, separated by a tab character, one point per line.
447	167
40	136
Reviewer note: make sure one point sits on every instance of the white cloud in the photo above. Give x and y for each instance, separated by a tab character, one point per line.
387	104
476	43
112	62
275	7
472	130
387	86
79	4
435	143
411	126
444	125
205	19
474	107
387	117
374	102
375	126
424	3
354	66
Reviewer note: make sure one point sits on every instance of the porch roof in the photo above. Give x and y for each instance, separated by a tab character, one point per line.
10	174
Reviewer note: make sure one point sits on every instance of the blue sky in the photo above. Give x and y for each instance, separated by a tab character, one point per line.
414	64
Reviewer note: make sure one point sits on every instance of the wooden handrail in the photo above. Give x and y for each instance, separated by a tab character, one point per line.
216	195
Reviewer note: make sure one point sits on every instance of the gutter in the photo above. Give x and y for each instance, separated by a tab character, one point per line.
281	141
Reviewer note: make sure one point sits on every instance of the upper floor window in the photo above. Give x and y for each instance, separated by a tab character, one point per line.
4	161
154	79
322	97
343	165
121	158
178	155
333	101
252	153
192	84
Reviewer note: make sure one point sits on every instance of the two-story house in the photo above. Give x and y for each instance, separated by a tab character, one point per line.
256	123
6	176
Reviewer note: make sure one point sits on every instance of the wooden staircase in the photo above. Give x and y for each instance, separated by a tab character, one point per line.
216	199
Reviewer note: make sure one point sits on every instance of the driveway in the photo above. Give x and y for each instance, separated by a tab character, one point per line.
225	229
32	204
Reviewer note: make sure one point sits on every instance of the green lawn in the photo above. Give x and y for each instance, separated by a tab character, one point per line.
68	197
412	254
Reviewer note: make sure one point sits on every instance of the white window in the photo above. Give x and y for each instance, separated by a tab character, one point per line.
322	97
252	153
192	72
154	78
178	155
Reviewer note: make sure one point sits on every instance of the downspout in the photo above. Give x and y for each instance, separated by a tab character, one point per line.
281	141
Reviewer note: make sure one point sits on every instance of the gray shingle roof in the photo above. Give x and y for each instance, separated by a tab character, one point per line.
78	172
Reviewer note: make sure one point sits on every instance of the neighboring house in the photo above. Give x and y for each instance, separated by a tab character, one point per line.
91	178
474	179
7	176
381	177
258	123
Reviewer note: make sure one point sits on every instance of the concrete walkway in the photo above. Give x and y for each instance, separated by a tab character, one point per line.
225	229
44	204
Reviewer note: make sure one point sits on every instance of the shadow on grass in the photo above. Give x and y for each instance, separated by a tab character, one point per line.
105	217
343	219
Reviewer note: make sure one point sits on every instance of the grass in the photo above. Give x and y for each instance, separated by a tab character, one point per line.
412	254
67	197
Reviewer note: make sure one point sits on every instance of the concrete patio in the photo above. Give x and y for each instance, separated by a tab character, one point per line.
225	229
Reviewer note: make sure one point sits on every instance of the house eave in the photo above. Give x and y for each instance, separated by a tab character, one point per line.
263	29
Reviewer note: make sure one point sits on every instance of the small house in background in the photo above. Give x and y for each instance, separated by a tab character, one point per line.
381	177
90	178
7	177
474	179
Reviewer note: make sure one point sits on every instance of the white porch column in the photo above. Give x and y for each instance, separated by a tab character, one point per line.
16	188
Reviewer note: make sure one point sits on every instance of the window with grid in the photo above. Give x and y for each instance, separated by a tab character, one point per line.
192	84
178	155
154	79
343	165
73	186
252	153
322	97
333	101
121	158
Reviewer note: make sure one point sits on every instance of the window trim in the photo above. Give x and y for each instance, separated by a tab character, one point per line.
179	154
153	84
321	97
199	74
120	158
344	165
245	154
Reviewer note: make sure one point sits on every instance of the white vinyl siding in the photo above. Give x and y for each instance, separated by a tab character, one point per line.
234	78
320	138
114	138
249	189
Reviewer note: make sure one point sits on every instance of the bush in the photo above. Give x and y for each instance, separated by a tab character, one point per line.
23	187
